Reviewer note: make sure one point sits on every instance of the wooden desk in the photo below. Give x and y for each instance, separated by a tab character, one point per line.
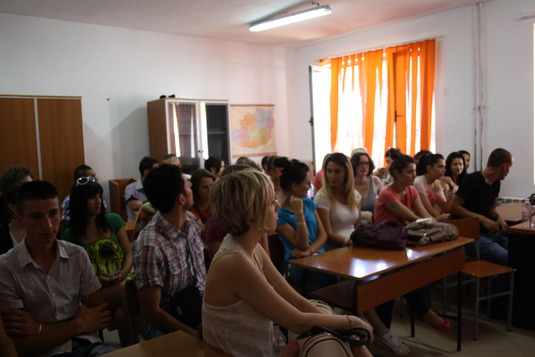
521	250
511	212
375	276
173	344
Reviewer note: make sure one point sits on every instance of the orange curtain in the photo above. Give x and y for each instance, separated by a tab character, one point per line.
403	63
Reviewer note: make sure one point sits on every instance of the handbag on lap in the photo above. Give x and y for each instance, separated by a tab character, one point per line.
321	341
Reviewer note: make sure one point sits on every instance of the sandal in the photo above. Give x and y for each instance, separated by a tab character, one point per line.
444	325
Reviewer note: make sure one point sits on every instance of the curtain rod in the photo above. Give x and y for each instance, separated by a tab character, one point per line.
381	47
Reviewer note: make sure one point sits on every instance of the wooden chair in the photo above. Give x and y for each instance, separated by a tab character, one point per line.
478	269
117	201
133	310
276	252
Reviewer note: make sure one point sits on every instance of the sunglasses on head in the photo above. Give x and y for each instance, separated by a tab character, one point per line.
84	180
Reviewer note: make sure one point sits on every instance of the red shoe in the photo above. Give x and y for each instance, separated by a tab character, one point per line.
445	325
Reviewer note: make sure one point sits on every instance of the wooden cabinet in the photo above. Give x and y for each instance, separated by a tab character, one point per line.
45	134
192	129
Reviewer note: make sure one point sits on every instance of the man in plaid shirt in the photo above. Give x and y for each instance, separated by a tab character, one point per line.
168	254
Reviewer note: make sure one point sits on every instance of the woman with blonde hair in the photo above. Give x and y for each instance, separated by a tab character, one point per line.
338	202
245	295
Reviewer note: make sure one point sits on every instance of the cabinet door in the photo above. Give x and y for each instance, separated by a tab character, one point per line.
61	140
18	143
217	131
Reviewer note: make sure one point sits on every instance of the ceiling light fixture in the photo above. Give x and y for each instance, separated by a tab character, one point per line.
311	13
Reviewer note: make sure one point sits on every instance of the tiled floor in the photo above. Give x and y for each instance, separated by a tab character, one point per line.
494	340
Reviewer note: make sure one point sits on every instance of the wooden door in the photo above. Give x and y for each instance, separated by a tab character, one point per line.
18	145
61	140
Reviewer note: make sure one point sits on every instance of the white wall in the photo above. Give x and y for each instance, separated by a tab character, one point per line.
48	57
116	71
508	84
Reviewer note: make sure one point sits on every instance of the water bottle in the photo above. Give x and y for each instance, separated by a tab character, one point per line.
526	213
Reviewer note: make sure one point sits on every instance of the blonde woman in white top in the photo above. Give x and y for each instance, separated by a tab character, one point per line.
338	202
245	295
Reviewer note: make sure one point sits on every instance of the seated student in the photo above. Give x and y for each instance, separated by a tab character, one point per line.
401	202
466	156
134	193
7	347
201	184
10	176
63	313
433	193
366	184
299	227
338	202
476	197
276	163
245	294
172	159
244	160
215	234
215	165
384	172
455	172
104	238
265	163
12	233
168	256
80	171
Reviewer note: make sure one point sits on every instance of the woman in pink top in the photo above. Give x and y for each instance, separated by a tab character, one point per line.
400	202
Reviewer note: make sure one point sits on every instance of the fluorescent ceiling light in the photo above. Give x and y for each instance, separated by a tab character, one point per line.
291	18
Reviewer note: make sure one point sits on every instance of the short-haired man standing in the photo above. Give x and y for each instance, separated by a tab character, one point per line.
477	197
168	256
50	296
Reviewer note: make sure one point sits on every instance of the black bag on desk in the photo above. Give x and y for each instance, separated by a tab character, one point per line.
387	235
427	232
186	306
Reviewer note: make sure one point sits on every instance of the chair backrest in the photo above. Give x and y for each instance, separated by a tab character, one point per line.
468	227
117	201
276	251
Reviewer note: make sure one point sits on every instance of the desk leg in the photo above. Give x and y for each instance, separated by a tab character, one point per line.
459	310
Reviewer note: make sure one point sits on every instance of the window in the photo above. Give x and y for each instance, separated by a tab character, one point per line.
375	100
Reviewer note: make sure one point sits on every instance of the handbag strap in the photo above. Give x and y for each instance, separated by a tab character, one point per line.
356	336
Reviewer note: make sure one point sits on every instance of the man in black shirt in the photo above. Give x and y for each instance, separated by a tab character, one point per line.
477	197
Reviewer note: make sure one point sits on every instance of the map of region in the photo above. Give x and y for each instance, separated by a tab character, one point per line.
252	130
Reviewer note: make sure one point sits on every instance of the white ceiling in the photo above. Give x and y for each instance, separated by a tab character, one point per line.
230	19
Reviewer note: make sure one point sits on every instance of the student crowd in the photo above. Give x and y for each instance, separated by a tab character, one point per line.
199	255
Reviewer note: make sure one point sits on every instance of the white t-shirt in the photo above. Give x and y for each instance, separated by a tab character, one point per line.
342	218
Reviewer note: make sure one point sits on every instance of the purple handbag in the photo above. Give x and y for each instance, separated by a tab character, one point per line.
386	235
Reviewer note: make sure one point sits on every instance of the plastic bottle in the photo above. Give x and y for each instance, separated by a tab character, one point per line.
526	213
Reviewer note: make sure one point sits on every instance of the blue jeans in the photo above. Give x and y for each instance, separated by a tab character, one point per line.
88	350
153	332
493	247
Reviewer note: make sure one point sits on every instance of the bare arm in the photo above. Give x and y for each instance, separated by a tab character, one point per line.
377	184
458	210
33	338
401	211
134	206
149	303
127	253
299	237
7	347
286	307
